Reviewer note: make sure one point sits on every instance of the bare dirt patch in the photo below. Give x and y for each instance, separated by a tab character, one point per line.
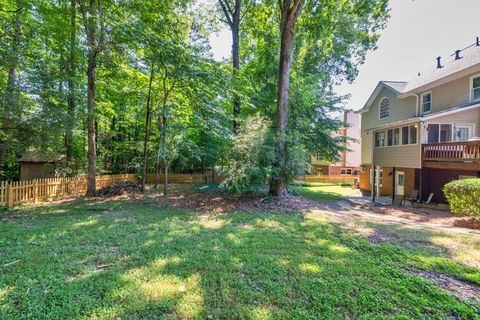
461	289
425	215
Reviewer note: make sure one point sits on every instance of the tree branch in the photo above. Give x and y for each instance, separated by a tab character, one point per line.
226	11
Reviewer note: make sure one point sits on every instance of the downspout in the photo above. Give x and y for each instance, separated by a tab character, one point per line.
372	167
417	105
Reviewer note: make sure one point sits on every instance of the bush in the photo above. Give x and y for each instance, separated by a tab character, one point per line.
464	196
250	157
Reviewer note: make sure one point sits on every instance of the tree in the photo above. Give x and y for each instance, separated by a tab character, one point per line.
232	14
148	123
93	22
289	12
71	81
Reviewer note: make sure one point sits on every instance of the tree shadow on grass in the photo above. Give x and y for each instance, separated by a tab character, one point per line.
149	263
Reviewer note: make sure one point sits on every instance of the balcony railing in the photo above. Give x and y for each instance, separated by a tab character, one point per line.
467	152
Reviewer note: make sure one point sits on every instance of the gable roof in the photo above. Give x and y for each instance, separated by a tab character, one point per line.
42	157
395	86
452	69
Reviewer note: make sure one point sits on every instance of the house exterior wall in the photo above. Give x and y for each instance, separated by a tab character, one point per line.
408	156
467	117
435	179
352	157
411	180
367	146
455	93
30	171
400	109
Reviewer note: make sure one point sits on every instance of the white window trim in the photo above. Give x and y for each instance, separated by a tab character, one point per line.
465	125
385	131
439	131
379	108
422	103
416	138
471	87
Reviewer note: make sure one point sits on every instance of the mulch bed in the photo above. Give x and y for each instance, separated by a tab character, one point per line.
184	197
118	189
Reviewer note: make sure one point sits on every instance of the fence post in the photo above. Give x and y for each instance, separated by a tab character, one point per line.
9	195
35	191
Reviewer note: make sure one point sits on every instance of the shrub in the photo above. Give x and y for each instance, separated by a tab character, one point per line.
250	157
464	196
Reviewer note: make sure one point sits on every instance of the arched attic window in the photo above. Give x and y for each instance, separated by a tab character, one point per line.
384	109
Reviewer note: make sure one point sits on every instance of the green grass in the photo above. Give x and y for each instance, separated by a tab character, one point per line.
118	260
324	191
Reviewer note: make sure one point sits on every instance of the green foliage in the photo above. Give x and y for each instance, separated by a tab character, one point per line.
192	97
251	156
464	196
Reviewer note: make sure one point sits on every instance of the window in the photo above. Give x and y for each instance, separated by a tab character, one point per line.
413	134
475	88
427	102
390	137
445	132
405	132
433	133
464	132
379	139
439	132
346	171
384	110
396	136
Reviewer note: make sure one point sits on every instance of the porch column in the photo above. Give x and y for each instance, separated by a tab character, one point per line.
377	181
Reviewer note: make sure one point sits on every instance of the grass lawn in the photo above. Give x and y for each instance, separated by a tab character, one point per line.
324	191
121	260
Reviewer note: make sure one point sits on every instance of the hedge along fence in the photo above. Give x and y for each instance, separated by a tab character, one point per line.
464	196
41	190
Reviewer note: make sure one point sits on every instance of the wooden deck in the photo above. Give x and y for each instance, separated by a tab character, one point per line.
458	155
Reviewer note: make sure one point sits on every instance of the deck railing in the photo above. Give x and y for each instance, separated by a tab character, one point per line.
458	151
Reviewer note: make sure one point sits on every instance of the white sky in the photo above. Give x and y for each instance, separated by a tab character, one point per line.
417	32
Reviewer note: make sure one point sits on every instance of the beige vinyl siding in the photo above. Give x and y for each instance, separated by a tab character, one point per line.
405	156
455	93
399	156
467	117
400	109
367	145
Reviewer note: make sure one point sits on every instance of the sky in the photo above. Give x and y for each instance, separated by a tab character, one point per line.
417	32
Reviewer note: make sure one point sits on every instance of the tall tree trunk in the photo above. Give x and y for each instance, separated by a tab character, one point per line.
233	19
71	82
147	128
289	16
236	68
94	45
92	145
163	142
10	92
165	178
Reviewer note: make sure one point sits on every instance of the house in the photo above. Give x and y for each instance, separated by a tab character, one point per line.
421	134
349	162
39	165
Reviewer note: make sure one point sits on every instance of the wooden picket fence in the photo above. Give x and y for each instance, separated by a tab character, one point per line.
184	178
41	190
328	179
